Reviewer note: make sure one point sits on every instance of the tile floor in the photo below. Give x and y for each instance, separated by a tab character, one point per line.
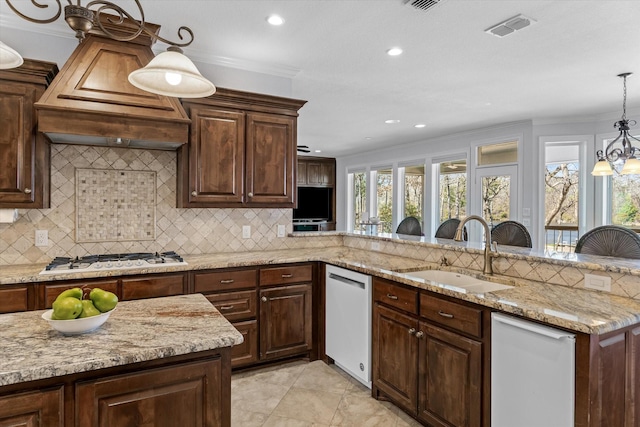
303	394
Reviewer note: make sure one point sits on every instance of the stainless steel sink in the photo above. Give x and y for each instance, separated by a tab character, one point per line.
456	280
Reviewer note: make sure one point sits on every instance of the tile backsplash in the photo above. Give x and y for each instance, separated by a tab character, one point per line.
186	231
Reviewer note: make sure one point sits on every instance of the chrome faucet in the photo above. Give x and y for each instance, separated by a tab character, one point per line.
488	267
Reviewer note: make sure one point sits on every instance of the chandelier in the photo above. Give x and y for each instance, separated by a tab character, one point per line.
626	153
170	73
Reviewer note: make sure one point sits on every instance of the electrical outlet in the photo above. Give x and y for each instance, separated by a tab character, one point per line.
281	230
601	283
375	246
246	231
42	238
526	222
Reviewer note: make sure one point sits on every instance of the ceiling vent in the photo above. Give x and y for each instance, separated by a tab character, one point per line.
509	26
421	4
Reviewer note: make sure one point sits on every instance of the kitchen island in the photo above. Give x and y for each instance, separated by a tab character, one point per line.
162	362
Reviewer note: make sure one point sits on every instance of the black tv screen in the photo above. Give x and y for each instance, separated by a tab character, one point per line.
313	204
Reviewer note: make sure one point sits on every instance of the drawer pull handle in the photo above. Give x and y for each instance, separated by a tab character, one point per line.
27	191
391	296
264	299
226	307
412	331
287	276
447	315
227	281
419	334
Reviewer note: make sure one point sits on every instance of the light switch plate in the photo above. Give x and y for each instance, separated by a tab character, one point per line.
246	231
601	283
526	222
281	230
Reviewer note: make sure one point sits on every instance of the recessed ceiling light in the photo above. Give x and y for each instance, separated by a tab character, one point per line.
368	138
394	51
392	121
275	20
419	125
318	151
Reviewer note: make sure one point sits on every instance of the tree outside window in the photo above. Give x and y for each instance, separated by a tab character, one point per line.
359	198
414	191
561	205
453	189
625	201
384	193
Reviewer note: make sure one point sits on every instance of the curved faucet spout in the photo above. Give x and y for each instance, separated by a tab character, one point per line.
488	267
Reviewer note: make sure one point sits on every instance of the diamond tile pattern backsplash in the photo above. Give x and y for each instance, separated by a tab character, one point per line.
186	231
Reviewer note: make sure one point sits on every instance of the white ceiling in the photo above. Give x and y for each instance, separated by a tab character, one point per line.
452	75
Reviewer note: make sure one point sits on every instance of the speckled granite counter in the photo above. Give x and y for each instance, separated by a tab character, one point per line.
137	331
571	308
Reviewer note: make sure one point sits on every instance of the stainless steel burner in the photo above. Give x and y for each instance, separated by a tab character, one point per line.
62	265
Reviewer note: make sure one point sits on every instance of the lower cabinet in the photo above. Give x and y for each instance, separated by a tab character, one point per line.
184	395
430	369
41	408
14	298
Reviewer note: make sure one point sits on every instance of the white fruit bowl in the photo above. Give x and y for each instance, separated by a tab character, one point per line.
77	326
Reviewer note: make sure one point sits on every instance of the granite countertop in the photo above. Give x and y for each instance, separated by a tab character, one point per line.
136	331
578	310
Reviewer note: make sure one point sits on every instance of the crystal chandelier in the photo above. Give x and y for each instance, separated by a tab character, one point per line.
626	152
170	73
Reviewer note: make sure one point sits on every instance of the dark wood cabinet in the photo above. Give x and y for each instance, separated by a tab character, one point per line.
24	154
424	360
15	298
152	287
242	151
285	321
41	408
316	184
185	395
316	171
50	291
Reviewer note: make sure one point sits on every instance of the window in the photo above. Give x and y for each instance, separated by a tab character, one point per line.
495	154
496	197
625	201
452	180
413	194
561	196
358	187
384	198
496	183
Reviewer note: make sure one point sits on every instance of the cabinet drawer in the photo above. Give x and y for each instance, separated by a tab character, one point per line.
224	280
247	352
451	314
51	292
395	296
283	275
14	299
235	305
153	287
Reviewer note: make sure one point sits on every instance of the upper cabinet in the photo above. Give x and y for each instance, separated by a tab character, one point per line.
24	154
241	151
316	171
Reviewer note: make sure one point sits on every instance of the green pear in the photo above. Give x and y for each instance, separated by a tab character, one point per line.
103	300
66	308
88	309
74	292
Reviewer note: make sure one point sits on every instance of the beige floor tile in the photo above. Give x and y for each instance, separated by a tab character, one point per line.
308	405
284	375
361	411
240	418
278	421
405	420
318	376
252	395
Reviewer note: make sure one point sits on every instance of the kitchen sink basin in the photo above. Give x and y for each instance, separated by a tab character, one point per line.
457	280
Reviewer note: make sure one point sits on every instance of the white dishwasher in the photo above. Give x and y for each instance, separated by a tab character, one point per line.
532	374
348	321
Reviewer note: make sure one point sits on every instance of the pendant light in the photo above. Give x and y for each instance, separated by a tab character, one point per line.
613	155
9	58
172	74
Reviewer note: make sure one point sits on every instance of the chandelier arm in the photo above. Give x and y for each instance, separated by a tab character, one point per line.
41	6
612	154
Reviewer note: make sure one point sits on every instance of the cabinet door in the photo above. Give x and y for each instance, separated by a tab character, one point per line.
17	144
395	356
43	408
151	287
14	299
50	291
450	378
285	321
182	395
302	173
216	156
321	173
247	352
270	160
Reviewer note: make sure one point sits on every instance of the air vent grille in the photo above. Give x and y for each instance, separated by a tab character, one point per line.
422	4
509	26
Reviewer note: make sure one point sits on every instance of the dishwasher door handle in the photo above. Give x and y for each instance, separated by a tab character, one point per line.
346	280
533	328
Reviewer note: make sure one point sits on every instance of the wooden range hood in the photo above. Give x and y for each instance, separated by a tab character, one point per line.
91	101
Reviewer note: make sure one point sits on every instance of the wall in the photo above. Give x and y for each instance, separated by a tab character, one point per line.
186	231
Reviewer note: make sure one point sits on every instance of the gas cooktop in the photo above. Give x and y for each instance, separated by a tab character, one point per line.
110	262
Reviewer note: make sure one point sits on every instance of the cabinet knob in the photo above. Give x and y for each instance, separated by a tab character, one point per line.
263	299
250	194
194	193
27	191
419	334
412	331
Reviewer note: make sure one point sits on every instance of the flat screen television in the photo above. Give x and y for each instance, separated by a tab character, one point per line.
314	204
